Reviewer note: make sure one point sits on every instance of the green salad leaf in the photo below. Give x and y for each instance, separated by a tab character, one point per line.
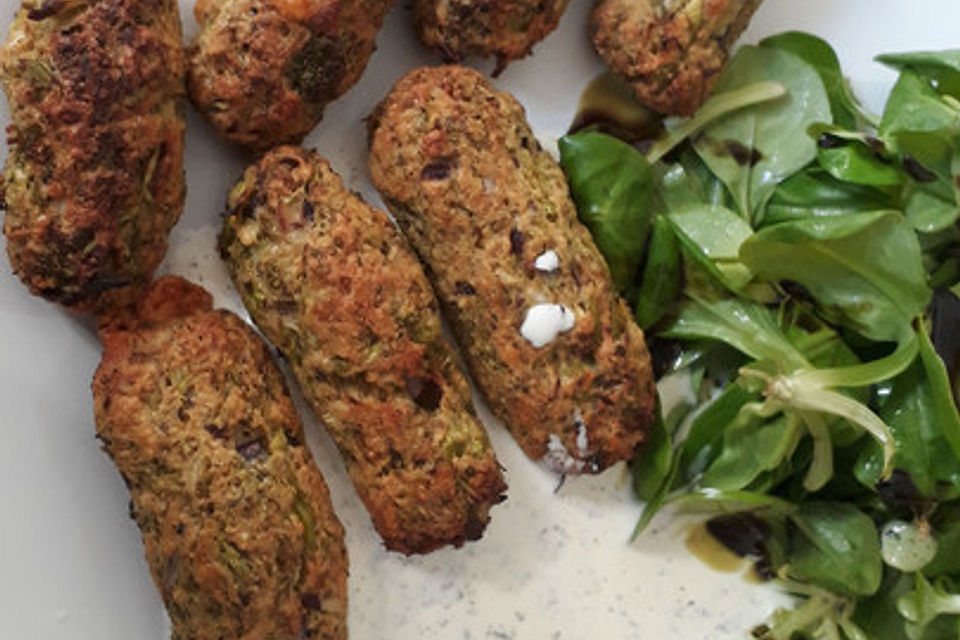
813	193
914	105
715	502
612	186
855	158
718	106
704	440
747	326
754	149
662	281
923	418
946	529
750	448
689	183
865	270
797	242
820	55
835	546
877	615
921	122
651	467
940	68
712	236
931	208
858	164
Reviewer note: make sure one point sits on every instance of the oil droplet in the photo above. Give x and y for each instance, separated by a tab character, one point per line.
908	546
608	105
710	552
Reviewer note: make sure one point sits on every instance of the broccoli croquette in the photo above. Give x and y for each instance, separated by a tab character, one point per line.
94	179
671	52
506	29
529	296
262	71
237	523
336	288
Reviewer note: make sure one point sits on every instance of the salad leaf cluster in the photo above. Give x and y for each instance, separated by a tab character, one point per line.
785	249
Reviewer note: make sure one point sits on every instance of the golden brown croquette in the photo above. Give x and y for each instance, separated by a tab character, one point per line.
548	341
262	71
335	286
237	523
671	51
94	179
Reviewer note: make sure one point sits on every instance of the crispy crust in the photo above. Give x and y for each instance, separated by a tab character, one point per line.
671	52
332	283
507	29
94	180
479	200
262	71
237	523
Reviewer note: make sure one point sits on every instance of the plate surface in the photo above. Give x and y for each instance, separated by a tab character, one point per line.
553	563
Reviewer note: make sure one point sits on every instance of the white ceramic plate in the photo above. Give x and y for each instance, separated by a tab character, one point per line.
552	564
